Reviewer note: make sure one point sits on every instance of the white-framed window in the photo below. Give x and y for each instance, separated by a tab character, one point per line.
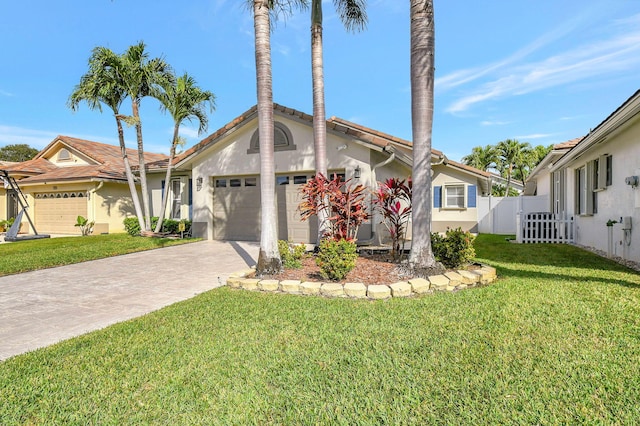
586	194
64	155
176	198
454	196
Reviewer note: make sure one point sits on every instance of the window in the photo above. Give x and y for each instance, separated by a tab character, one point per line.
558	192
282	139
298	180
64	155
235	183
454	196
282	180
586	195
221	183
250	181
176	200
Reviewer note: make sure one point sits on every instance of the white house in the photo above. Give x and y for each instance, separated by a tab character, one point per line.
595	180
217	181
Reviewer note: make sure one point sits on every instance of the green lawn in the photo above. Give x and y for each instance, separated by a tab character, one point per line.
555	340
26	256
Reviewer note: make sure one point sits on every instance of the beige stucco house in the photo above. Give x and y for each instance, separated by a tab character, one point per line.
224	173
72	177
595	180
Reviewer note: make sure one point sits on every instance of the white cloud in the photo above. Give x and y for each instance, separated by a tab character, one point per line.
5	93
535	136
10	135
619	53
188	132
493	123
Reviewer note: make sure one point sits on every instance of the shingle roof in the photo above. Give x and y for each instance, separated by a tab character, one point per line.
334	124
107	159
568	144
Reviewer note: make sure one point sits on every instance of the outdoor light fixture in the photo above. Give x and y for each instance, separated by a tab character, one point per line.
356	172
199	183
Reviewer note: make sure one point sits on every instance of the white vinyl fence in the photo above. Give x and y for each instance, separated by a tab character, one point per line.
499	215
542	227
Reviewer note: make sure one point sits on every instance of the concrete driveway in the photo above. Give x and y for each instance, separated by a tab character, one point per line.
44	307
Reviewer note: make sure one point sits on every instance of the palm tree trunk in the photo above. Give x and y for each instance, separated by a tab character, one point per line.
142	167
129	174
269	261
167	178
319	115
422	76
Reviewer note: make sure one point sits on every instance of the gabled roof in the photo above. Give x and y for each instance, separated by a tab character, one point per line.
106	159
617	120
367	136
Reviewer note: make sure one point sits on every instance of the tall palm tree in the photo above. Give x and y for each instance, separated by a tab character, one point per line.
269	261
422	260
353	15
482	158
512	155
141	77
184	100
100	85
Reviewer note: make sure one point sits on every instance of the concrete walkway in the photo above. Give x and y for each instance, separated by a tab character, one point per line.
44	307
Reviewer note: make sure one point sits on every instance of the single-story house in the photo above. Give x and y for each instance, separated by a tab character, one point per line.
595	180
216	182
224	170
72	177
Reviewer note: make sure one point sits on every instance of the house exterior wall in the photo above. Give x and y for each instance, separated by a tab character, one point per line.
443	217
109	206
230	157
616	201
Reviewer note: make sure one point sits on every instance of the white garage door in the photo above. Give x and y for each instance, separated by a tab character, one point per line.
57	212
236	209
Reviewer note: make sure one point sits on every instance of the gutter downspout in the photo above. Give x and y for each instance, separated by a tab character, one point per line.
374	181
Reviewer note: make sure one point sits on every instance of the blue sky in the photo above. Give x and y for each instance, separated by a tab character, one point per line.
539	71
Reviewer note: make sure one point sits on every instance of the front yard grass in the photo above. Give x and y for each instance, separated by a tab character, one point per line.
555	340
24	256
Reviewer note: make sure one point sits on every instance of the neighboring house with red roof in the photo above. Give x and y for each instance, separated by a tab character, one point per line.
225	167
594	180
73	177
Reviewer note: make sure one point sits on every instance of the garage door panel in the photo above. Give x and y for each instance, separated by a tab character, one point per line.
236	213
57	213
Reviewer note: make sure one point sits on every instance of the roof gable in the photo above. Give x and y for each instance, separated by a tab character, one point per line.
371	138
88	160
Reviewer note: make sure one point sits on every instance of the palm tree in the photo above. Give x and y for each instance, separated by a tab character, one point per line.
269	261
512	156
353	16
422	260
185	101
100	85
482	158
141	77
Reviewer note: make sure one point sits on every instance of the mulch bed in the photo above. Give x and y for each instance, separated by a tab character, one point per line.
370	269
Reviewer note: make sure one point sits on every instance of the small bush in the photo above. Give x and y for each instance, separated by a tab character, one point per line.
291	254
171	226
454	249
336	258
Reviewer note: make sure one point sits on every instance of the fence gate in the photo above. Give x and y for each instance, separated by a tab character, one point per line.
544	227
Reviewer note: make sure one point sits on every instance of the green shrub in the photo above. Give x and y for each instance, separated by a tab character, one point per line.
291	254
171	226
454	249
336	258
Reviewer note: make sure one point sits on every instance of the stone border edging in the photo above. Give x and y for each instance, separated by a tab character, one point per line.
449	281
